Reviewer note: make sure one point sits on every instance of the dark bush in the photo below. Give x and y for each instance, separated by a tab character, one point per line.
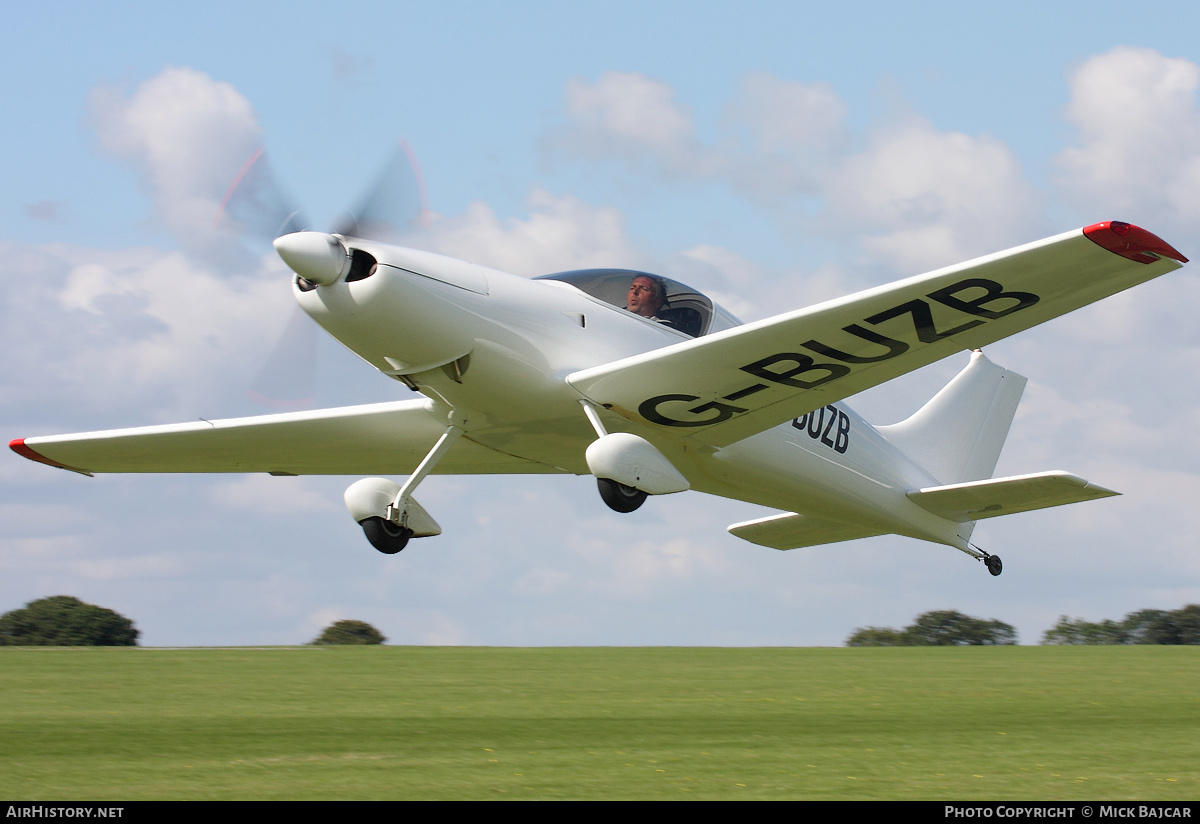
63	621
350	632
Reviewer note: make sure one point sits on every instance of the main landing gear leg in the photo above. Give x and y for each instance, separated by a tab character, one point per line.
397	512
439	449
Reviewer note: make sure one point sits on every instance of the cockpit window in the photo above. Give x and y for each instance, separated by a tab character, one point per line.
682	308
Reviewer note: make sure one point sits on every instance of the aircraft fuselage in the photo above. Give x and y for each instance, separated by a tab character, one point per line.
497	349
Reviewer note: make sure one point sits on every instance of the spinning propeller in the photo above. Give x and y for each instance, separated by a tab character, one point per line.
394	207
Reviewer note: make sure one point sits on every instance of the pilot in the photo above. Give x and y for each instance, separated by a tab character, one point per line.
646	296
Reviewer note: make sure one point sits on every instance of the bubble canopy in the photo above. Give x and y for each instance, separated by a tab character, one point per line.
685	309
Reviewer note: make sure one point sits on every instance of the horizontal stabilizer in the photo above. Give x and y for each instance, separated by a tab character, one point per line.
792	531
1004	496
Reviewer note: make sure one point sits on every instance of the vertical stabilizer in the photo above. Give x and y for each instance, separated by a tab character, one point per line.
958	435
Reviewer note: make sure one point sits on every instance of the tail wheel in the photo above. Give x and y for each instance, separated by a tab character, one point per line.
387	537
620	497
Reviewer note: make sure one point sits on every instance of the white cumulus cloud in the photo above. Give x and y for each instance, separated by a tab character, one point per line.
919	198
188	136
633	118
1137	157
560	233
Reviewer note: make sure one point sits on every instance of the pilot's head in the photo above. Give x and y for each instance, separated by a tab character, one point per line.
646	296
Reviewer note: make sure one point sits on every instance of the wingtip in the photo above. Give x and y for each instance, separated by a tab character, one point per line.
1131	242
19	446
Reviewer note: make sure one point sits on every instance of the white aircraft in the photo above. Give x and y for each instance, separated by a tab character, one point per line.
646	384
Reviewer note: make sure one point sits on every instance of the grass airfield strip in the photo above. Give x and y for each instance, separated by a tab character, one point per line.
1053	723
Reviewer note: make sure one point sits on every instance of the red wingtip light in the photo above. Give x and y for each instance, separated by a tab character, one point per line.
1131	242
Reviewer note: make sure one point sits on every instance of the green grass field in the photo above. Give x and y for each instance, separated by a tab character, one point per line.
1051	723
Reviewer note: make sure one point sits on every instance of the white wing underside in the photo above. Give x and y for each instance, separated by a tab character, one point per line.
375	439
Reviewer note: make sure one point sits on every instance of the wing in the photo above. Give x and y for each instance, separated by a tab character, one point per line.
728	386
376	439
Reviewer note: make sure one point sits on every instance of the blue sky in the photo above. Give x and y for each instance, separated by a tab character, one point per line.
774	154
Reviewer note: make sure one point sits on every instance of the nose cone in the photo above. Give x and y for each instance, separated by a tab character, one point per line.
314	256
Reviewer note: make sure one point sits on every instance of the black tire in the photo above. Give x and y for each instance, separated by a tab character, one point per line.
993	564
619	497
387	537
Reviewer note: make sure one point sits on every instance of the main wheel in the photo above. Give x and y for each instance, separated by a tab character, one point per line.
993	564
620	497
387	537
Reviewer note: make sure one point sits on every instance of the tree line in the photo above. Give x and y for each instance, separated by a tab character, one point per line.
951	628
940	628
1146	626
66	621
